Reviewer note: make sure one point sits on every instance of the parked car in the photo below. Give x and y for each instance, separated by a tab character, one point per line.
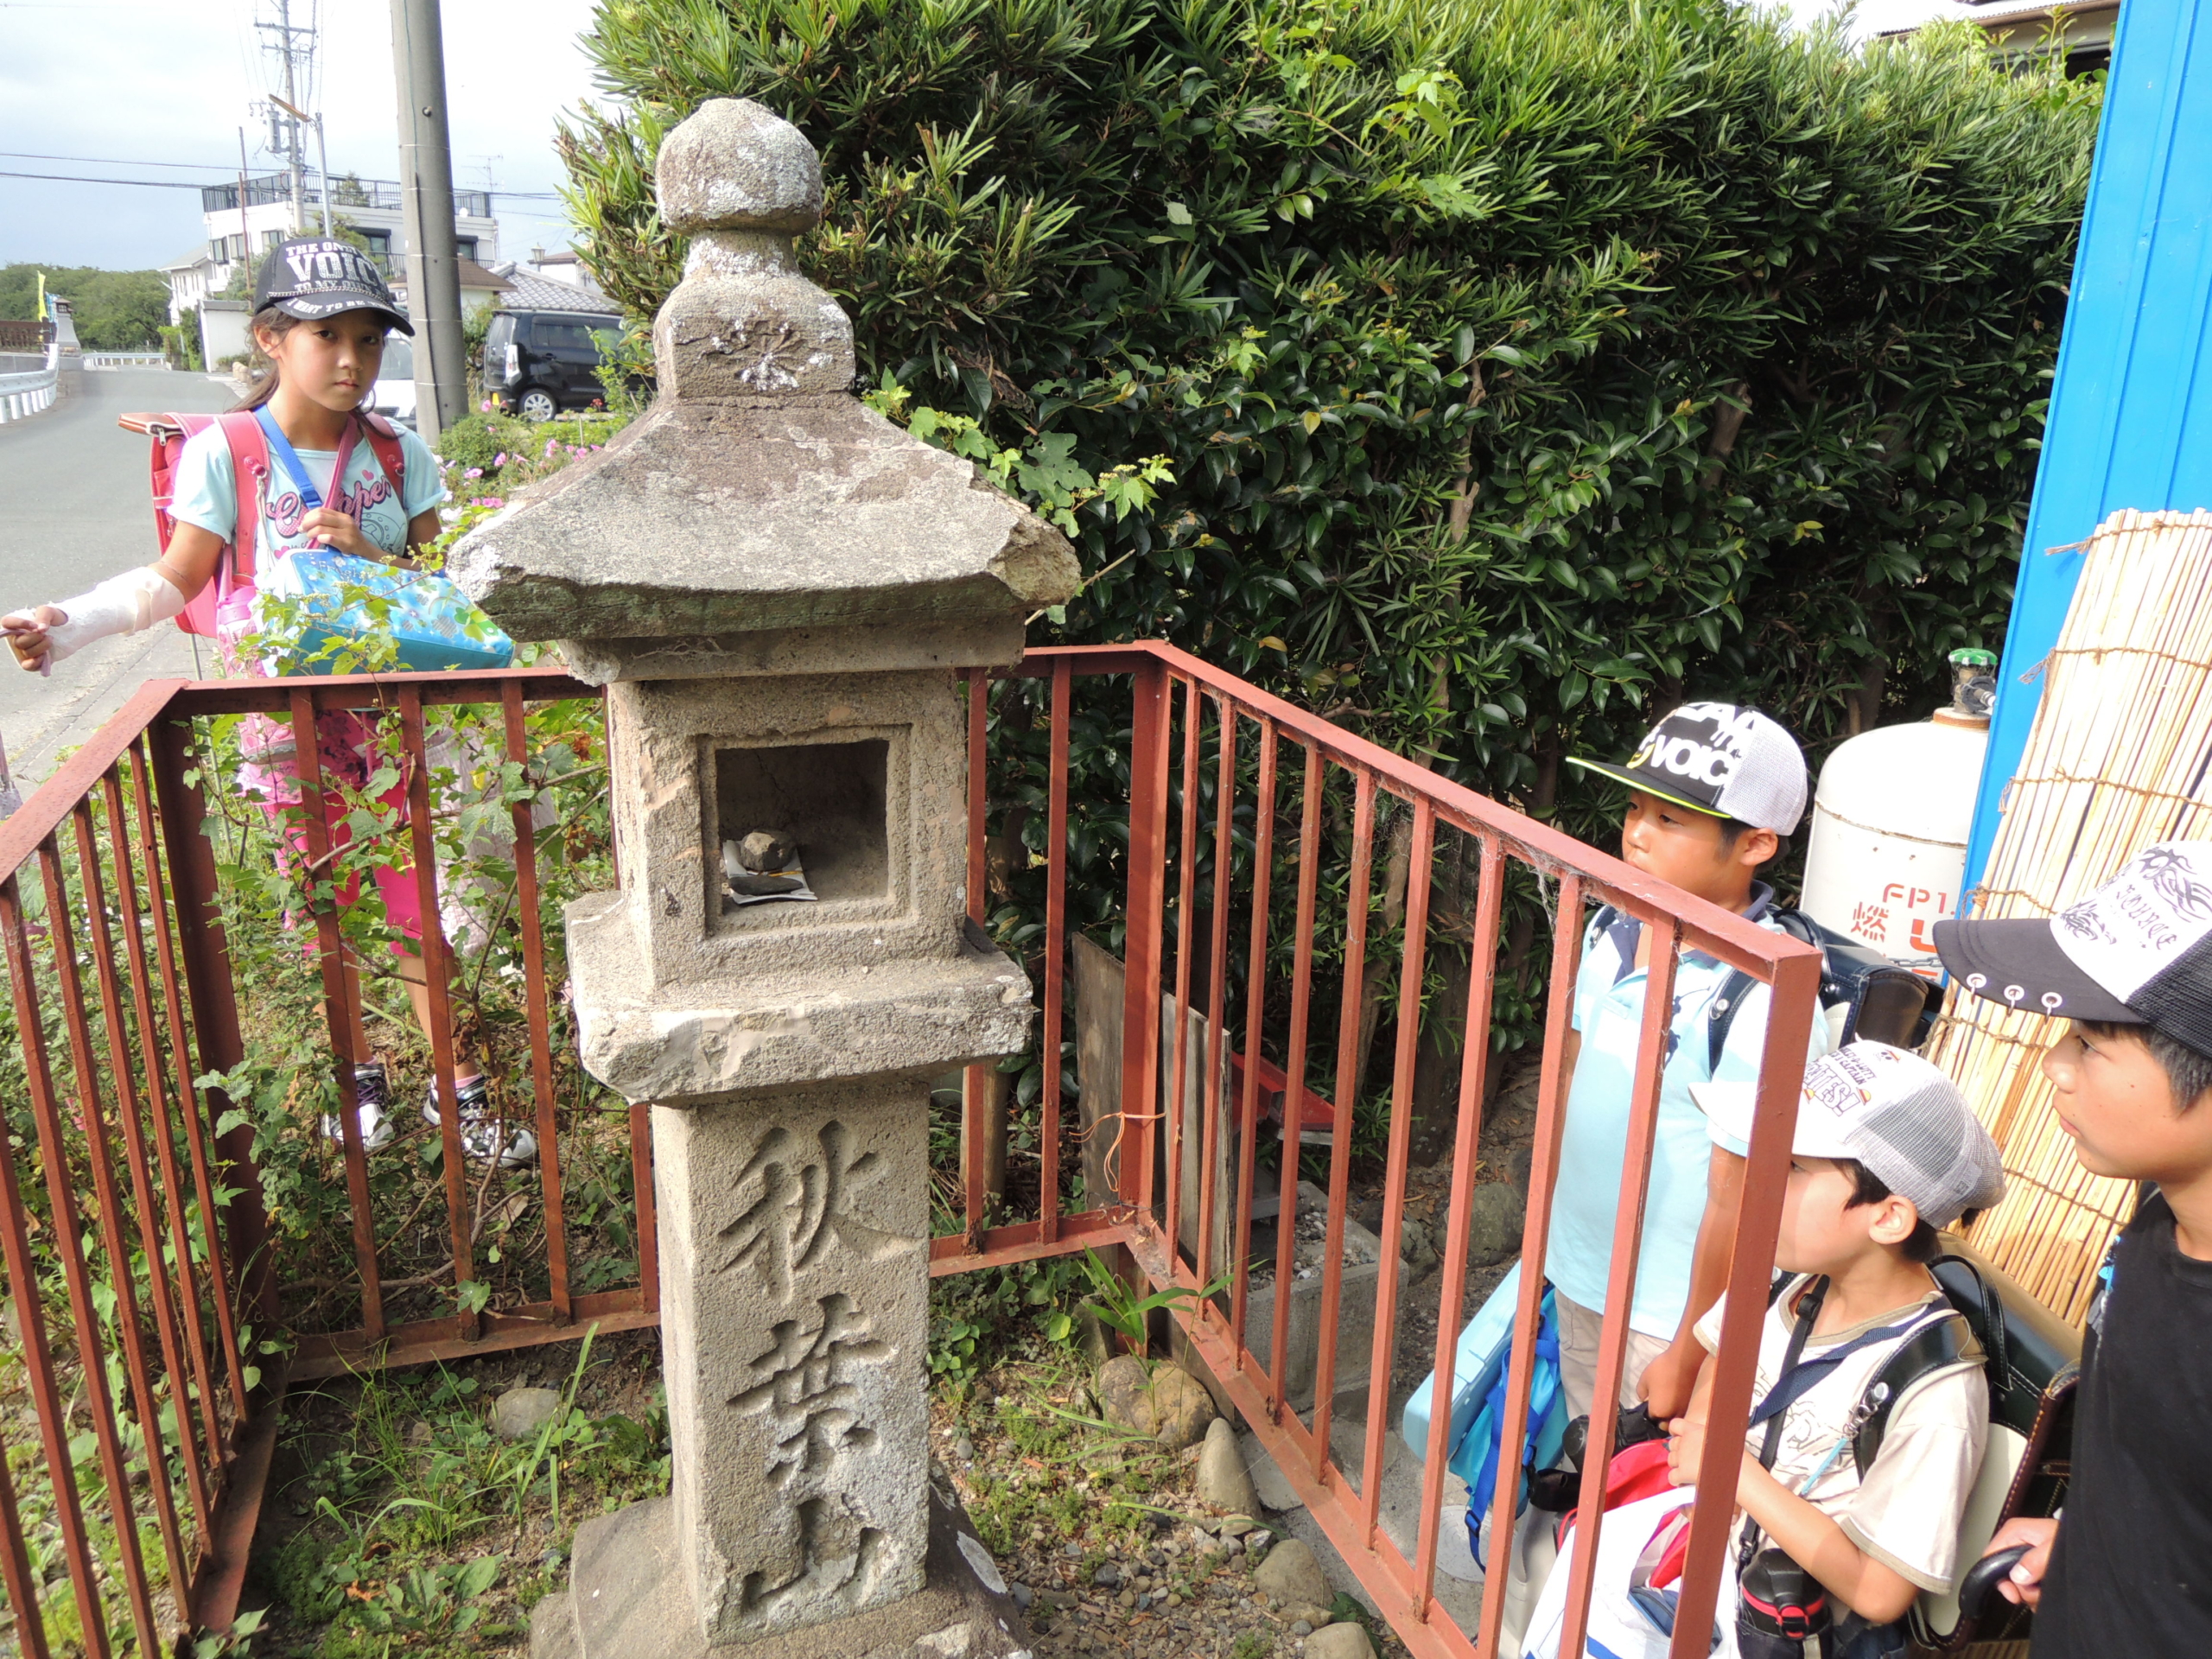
393	395
538	363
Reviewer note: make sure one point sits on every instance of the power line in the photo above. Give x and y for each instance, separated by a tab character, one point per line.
65	178
112	161
229	178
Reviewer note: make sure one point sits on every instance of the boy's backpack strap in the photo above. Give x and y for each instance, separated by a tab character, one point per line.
1885	1001
1943	1344
1721	1013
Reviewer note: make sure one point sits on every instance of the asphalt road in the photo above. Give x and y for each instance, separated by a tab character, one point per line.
74	508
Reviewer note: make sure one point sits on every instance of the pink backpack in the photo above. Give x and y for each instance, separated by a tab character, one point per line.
250	464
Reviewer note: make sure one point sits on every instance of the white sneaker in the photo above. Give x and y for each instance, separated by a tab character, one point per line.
480	1137
371	1095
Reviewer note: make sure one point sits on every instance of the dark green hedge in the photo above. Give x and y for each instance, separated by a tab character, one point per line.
1520	363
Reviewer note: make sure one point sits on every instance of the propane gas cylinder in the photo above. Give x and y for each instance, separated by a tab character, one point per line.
1891	820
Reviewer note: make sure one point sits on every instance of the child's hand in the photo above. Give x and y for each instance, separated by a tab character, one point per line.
1685	1450
27	636
327	527
2023	1586
1670	1379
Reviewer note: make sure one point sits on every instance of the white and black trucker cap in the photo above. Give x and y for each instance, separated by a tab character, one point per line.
2137	951
318	277
1719	760
1892	1111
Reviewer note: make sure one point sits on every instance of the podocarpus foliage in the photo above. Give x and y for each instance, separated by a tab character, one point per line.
1520	367
1521	362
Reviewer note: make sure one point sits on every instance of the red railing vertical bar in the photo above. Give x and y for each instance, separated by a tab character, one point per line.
1294	1067
1224	816
437	983
182	814
1349	995
241	1265
1758	1218
536	996
1467	1152
1661	936
1535	1231
29	1619
976	1082
1413	965
1256	1008
30	1323
1148	766
185	1367
1056	925
1185	894
69	1229
122	1066
342	1017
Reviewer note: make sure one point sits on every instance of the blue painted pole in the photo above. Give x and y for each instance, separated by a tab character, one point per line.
2130	410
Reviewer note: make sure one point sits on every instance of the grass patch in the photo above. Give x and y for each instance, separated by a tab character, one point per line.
401	1524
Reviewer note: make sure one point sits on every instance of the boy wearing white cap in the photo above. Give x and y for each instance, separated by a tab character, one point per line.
1885	1152
1712	790
2125	1570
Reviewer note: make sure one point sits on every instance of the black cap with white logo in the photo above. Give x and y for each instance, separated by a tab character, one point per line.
1722	760
320	276
2137	951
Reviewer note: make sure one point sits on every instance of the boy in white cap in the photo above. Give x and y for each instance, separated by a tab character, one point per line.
2127	1568
1855	1473
1712	790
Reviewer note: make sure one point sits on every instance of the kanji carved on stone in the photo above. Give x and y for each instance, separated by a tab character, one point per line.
804	1208
802	1389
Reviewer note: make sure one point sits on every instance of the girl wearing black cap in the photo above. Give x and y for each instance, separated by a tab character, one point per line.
322	314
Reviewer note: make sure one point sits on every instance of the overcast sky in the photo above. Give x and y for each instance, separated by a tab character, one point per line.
114	89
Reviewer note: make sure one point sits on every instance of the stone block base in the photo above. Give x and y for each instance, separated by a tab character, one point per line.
627	1599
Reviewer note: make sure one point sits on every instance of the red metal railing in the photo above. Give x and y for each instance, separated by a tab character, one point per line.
1269	759
181	1262
1173	819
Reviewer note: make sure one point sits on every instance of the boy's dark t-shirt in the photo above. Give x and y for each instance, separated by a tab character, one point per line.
2132	1570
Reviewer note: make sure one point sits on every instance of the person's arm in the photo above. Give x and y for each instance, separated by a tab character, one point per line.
136	599
2023	1585
1667	1382
1875	1593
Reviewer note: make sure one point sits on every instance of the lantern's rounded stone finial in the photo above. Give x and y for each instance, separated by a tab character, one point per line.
732	165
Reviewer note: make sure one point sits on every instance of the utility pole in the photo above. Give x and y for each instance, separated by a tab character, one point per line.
283	29
426	213
321	154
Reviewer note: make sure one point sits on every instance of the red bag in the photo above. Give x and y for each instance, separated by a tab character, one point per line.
1638	1473
249	461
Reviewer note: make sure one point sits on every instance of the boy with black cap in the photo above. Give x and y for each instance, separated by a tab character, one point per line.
1713	789
2128	1569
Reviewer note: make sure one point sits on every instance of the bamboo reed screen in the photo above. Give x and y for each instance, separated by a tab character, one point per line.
2116	761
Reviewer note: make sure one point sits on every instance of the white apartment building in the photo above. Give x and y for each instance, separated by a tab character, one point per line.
369	206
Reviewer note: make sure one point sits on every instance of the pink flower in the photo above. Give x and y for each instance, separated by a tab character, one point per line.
552	444
473	472
500	460
485	406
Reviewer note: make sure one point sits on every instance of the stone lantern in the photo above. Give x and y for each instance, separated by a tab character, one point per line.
775	585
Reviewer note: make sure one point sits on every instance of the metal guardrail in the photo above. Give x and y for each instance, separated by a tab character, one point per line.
25	395
126	361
